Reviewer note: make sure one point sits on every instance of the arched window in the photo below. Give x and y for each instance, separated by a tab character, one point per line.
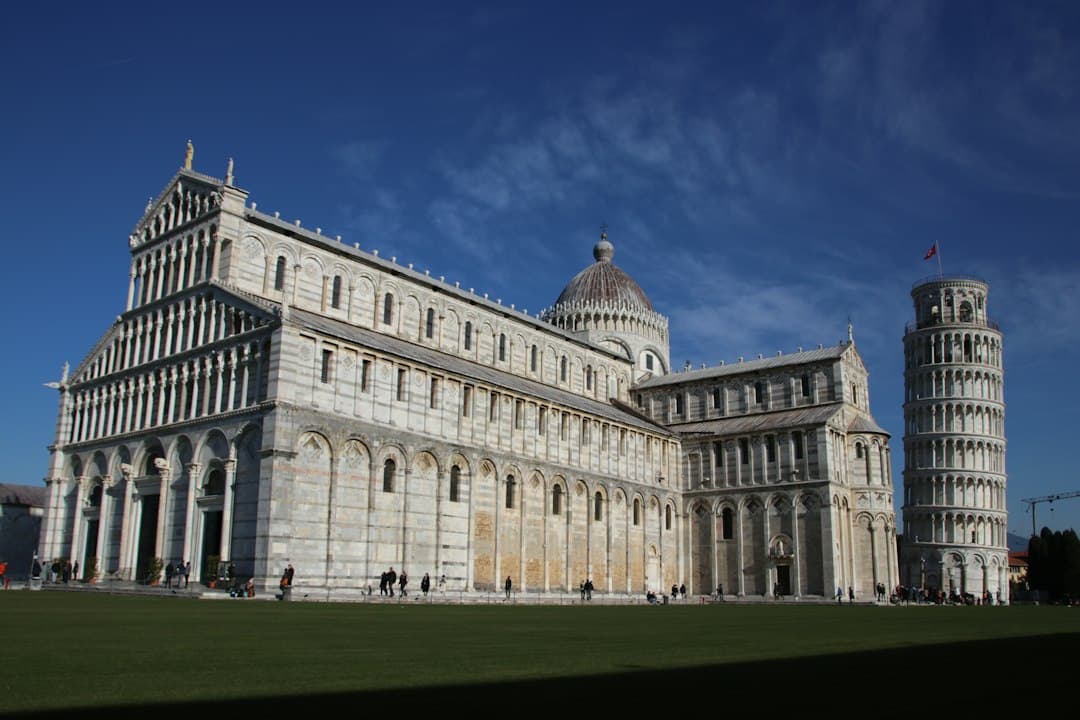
806	386
389	468
588	377
335	293
759	392
562	369
556	500
728	521
510	492
388	309
95	496
468	335
502	347
598	506
279	273
215	482
667	517
637	511
429	324
533	358
455	483
858	450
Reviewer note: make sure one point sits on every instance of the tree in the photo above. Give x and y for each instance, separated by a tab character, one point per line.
1054	564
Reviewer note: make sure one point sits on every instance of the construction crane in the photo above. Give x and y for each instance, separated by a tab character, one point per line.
1046	499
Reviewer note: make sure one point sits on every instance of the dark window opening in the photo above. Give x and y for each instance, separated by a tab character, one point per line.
455	483
389	468
279	273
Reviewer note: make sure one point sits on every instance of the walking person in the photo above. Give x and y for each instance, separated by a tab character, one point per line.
851	594
402	582
425	584
839	595
391	578
168	575
507	585
187	573
4	582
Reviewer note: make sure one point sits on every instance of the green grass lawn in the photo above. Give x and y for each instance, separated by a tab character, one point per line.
64	651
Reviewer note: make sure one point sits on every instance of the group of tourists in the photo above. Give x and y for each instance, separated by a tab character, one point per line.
181	569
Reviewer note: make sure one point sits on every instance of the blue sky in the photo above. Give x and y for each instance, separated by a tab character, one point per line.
766	171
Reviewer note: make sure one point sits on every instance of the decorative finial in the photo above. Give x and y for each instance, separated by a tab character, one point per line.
189	155
603	251
850	332
229	173
64	375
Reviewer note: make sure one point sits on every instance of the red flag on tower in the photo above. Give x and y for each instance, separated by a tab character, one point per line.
931	252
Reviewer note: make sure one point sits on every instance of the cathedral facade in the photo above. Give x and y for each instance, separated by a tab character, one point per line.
272	395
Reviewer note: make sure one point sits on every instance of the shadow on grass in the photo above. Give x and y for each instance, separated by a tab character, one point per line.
979	675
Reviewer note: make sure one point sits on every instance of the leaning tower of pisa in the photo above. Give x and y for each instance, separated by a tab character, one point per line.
954	511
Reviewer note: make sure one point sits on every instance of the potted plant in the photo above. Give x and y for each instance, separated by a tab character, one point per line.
153	570
210	570
92	572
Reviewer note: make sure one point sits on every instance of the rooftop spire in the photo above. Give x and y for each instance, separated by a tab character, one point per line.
603	251
189	155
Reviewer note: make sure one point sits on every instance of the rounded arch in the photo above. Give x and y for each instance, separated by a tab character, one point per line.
621	345
286	251
213	445
392	451
425	460
99	465
75	465
150	451
121	456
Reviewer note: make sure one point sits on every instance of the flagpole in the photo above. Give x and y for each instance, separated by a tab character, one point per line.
941	272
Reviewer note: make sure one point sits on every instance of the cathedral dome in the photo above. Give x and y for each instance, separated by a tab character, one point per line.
603	284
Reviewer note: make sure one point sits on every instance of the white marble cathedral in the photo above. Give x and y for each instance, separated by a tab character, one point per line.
272	395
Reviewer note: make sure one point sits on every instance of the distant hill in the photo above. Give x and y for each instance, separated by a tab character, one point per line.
1017	543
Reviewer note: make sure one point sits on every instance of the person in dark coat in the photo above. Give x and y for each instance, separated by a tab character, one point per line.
507	585
391	578
425	584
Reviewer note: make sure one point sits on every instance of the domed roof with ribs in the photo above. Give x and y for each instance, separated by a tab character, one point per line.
602	283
